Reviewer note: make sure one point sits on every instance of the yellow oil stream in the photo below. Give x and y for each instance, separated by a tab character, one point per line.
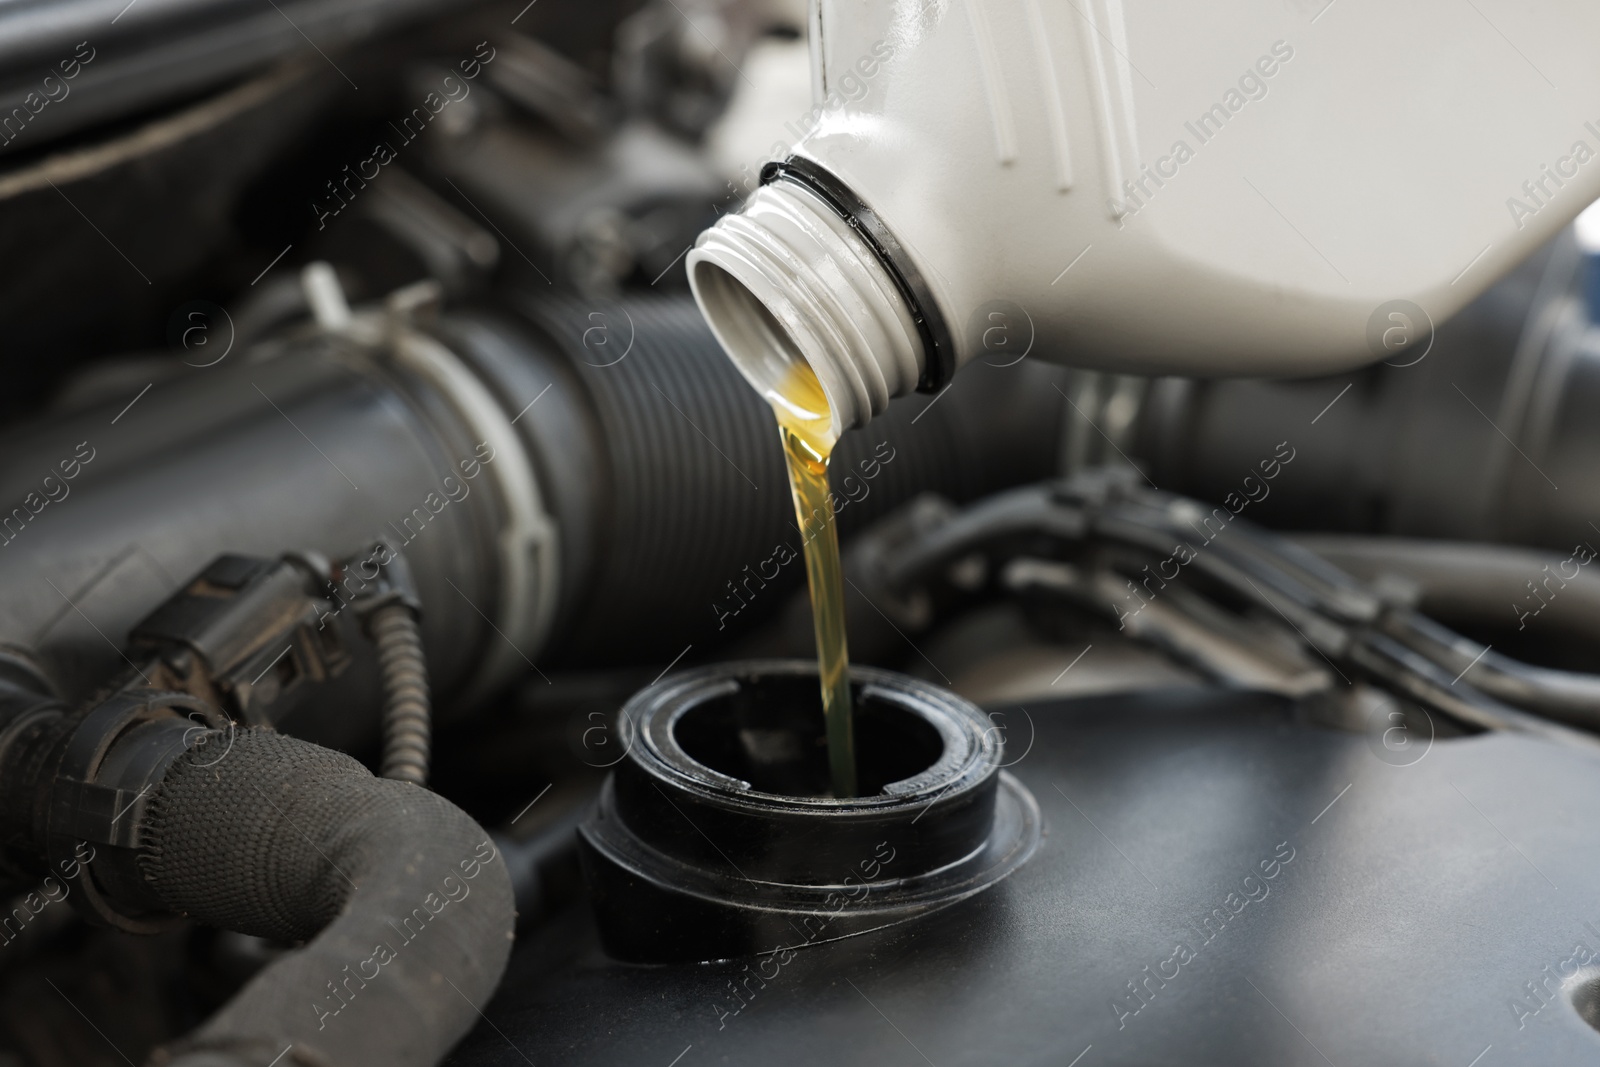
805	425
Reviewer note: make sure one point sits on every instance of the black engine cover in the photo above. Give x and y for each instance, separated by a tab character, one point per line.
1219	884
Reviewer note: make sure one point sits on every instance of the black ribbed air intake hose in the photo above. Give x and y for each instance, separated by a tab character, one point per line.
695	501
405	900
657	473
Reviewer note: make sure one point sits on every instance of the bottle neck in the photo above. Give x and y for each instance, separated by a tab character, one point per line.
788	280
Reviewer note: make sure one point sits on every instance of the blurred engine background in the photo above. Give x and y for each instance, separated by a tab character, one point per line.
503	196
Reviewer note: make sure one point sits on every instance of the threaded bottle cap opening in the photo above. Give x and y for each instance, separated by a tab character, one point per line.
787	281
743	324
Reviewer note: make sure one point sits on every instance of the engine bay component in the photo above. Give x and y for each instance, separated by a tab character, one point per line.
751	854
405	655
159	56
1479	429
166	807
1250	609
328	440
1241	903
393	888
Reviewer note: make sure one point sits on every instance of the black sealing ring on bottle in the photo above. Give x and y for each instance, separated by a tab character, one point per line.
715	837
937	342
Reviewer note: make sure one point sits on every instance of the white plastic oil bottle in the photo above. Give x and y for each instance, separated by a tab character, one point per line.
1207	188
1229	187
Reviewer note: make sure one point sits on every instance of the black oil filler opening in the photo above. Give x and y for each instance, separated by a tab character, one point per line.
773	737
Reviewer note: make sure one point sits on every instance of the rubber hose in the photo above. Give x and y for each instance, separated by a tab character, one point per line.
407	711
698	490
406	901
1466	582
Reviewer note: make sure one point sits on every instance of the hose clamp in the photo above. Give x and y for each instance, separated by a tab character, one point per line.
527	544
109	768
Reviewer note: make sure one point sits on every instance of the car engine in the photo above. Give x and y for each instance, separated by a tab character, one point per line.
405	650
